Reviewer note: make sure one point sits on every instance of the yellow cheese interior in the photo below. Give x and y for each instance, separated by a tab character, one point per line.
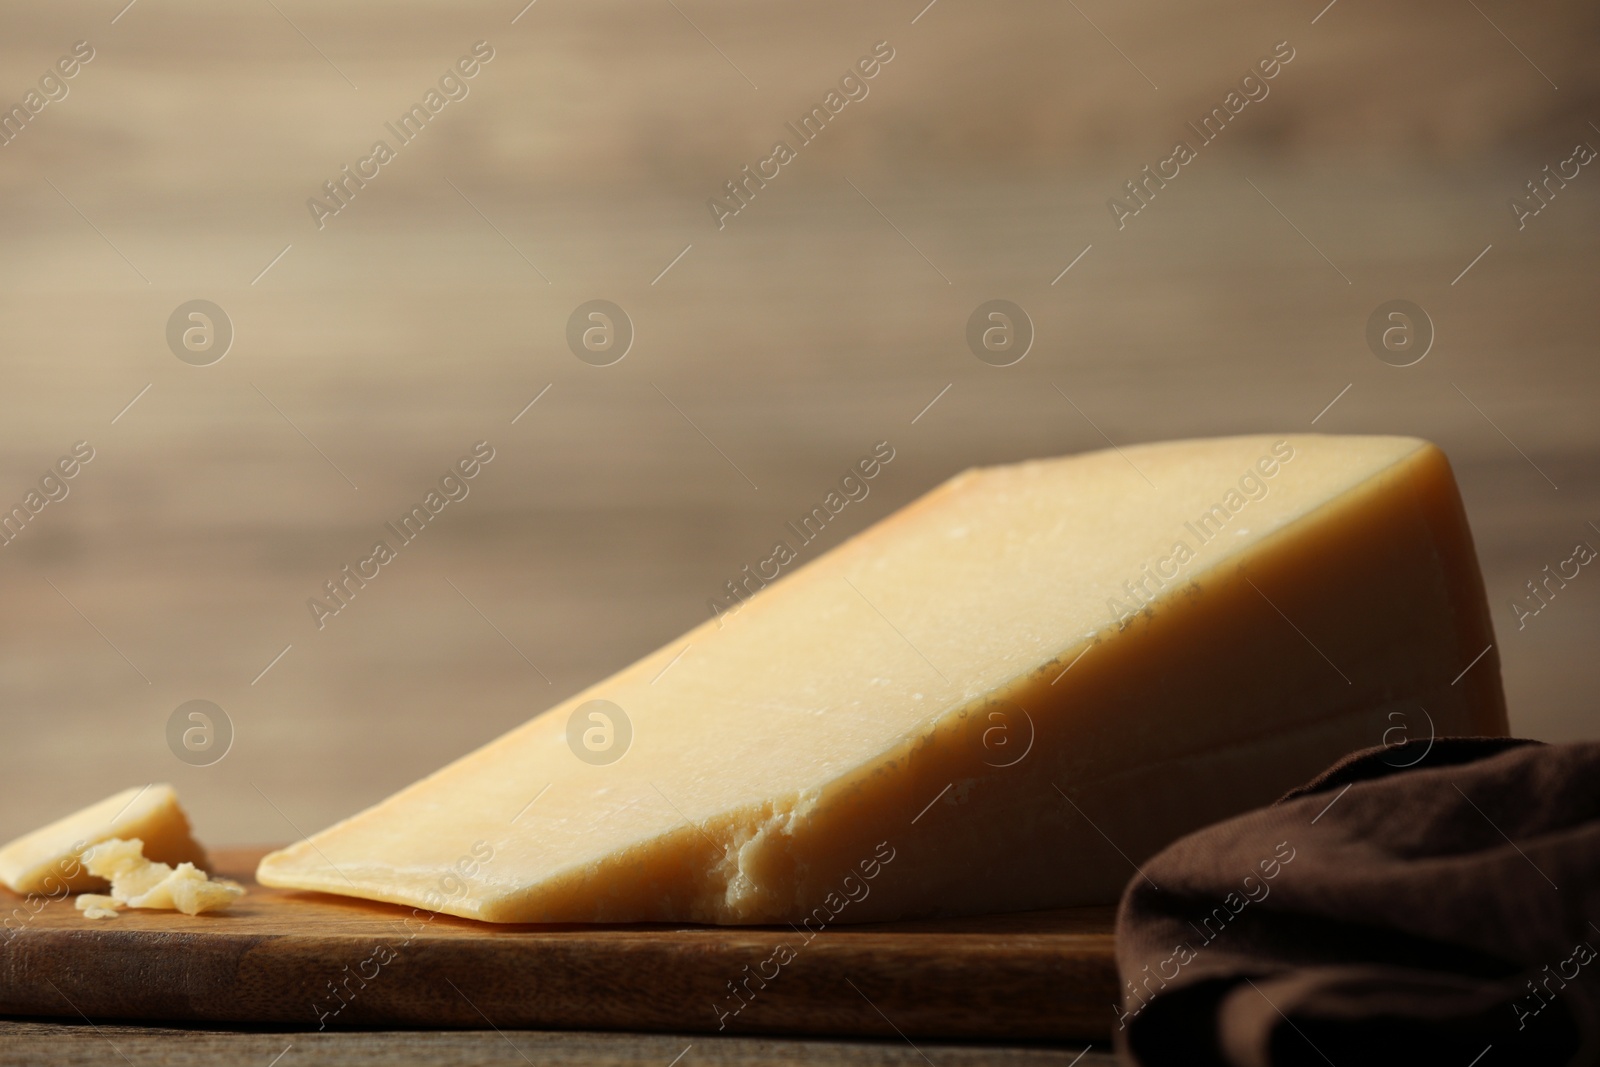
1015	688
49	860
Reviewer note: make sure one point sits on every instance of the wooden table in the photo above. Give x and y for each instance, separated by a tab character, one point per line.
25	1044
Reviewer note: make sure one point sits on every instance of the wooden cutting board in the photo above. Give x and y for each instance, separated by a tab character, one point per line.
314	961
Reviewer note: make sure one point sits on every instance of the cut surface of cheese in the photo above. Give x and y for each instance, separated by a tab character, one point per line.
48	860
1002	697
136	882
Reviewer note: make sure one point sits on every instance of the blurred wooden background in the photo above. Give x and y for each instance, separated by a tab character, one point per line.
769	357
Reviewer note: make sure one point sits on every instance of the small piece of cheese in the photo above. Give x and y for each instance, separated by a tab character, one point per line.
97	906
138	883
48	859
1002	697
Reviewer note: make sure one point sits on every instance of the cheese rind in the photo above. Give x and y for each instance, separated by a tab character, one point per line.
48	860
1017	687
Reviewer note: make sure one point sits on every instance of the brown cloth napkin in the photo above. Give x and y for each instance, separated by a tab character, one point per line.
1431	902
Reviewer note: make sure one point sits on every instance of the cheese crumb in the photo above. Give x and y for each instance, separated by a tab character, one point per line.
98	906
138	883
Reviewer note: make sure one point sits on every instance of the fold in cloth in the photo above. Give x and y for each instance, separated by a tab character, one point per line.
1431	902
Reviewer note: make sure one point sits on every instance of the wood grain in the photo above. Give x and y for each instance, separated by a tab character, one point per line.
316	962
29	1043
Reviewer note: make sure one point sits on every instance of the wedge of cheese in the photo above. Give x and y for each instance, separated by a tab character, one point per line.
49	860
1002	697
